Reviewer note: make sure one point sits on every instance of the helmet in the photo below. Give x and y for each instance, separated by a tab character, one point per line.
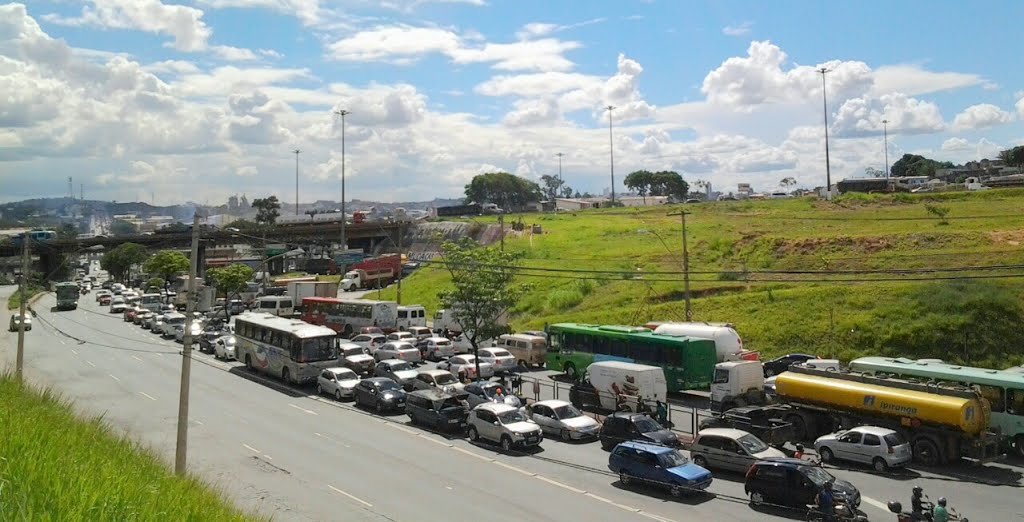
942	501
828	484
918	490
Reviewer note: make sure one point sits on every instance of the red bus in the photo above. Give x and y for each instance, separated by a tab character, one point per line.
347	316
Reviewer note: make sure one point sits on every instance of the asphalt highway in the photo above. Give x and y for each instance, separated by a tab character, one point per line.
288	454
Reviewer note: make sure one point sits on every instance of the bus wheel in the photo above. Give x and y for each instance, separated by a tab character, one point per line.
285	374
1018	446
570	371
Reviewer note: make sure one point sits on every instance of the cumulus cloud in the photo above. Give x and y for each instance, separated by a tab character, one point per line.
309	12
537	84
863	116
254	120
182	23
955	145
981	116
1020	106
533	112
914	81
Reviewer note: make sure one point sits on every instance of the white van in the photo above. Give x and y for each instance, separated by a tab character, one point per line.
529	350
412	315
628	382
728	344
279	305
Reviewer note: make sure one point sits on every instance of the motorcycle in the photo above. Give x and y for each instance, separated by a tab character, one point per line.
842	512
906	516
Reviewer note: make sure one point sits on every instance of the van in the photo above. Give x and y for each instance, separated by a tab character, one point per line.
728	344
619	386
279	305
412	315
529	350
421	332
437	409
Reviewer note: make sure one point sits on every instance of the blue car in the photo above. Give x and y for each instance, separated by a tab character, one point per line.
657	465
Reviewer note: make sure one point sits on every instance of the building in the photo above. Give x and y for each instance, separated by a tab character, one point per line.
744	190
863	185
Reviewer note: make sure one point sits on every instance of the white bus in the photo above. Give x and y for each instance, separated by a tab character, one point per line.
411	315
293	350
280	305
347	316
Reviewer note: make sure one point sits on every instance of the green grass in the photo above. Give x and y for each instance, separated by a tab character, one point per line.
727	239
56	467
14	301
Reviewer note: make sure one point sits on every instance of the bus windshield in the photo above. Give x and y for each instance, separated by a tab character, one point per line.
319	349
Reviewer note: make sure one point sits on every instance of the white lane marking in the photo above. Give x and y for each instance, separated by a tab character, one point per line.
332	440
158	354
268	457
559	484
62	342
357	499
877	504
148	396
112	376
136	358
198	422
74	352
612	502
471	453
402	428
300	408
513	468
428	438
91	364
252	449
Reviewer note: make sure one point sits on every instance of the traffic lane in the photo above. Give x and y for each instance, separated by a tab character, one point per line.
289	456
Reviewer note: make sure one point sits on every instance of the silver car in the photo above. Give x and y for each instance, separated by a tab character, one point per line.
500	358
338	382
397	370
882	448
729	449
356	357
397	350
563	419
224	347
464	366
440	379
503	424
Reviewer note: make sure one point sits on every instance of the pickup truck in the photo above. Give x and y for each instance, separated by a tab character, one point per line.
755	420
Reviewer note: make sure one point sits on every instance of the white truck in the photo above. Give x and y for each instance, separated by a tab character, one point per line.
206	297
617	385
728	344
298	290
444	319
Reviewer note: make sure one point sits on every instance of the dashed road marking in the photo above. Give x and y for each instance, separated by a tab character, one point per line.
74	351
559	484
513	468
148	396
91	364
252	449
877	504
112	376
472	453
136	358
353	497
300	408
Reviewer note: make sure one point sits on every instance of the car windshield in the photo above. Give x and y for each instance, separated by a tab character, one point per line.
567	412
817	475
493	390
388	385
752	444
443	343
647	425
402	366
672	459
318	349
346	375
500	353
348	352
445	378
511	417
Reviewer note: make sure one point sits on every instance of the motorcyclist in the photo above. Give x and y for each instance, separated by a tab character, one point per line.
826	502
917	509
939	513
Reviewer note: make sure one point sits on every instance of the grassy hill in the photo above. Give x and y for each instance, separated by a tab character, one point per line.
54	466
945	309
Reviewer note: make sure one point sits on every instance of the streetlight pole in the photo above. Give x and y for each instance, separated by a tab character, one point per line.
559	169
885	133
181	449
824	104
611	150
296	151
344	240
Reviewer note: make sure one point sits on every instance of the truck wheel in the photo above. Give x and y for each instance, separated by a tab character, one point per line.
799	427
1018	446
926	452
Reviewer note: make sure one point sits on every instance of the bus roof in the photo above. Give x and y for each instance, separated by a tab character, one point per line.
937	370
623	332
340	300
296	327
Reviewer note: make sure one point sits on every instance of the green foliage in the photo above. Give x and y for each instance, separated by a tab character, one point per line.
661	183
231	279
123	228
552	186
267	210
121	259
166	264
939	212
57	467
1014	156
503	189
32	289
916	165
67	231
243	225
155	284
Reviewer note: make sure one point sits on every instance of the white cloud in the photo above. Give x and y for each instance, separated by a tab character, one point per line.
309	12
182	23
247	171
981	116
535	29
863	116
537	84
955	144
913	80
742	29
533	112
1020	107
234	54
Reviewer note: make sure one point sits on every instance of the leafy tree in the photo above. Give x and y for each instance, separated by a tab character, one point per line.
121	259
121	227
639	181
504	189
243	225
166	264
567	191
872	172
939	212
669	183
230	280
484	289
787	182
67	231
551	186
1014	156
917	165
267	210
155	283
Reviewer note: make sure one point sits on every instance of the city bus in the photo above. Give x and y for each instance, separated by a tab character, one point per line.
347	316
689	363
67	295
293	350
37	236
1004	390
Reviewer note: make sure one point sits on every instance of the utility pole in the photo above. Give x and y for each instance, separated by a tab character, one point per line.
296	151
824	104
398	291
560	170
686	267
501	223
181	451
611	151
22	290
344	240
885	133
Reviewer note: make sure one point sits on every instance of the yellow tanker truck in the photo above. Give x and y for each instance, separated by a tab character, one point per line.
942	423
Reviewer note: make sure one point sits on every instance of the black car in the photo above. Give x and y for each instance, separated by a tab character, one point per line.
437	409
625	426
380	393
781	364
794	482
210	335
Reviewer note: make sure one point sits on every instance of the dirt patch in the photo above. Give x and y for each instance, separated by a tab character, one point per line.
679	295
809	246
1007	237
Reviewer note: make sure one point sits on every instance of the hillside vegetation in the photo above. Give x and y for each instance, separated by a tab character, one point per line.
944	307
54	466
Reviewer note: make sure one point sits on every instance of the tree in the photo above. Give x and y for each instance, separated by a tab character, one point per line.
120	260
640	181
917	165
1014	156
267	210
484	290
567	191
669	183
503	189
243	225
155	283
872	172
551	186
166	264
787	182
121	227
232	279
67	231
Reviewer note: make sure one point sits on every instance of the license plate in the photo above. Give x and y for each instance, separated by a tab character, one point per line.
453	421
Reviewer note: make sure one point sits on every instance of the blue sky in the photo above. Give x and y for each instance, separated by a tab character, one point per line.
165	101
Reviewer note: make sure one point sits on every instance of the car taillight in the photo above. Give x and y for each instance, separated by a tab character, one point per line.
750	472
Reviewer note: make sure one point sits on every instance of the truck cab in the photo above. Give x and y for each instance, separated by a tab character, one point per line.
737	383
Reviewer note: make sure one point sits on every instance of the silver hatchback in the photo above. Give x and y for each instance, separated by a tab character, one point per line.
729	449
882	448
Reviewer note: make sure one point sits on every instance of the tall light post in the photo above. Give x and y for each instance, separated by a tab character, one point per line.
611	150
344	240
296	151
560	166
885	133
824	104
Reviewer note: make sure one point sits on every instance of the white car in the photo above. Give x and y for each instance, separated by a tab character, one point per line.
438	348
117	305
500	358
355	357
171	321
882	448
503	424
339	382
464	367
369	341
17	319
559	418
402	336
224	347
197	330
397	350
443	380
397	370
102	293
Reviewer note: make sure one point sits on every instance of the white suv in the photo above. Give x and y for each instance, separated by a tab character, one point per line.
505	425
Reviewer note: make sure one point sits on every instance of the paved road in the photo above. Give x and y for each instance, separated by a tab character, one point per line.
297	457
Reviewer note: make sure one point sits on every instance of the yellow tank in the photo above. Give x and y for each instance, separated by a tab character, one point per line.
967	415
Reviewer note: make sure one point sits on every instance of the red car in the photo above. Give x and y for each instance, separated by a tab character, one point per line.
129	314
104	300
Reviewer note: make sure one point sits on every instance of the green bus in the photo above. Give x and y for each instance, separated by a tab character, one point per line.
689	363
1004	390
67	295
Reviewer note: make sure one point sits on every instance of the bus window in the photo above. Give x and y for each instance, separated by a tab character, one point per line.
1015	401
643	352
994	394
619	348
672	358
555	341
600	345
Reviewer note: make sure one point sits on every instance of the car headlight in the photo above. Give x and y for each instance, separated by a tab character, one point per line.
517	435
389	396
